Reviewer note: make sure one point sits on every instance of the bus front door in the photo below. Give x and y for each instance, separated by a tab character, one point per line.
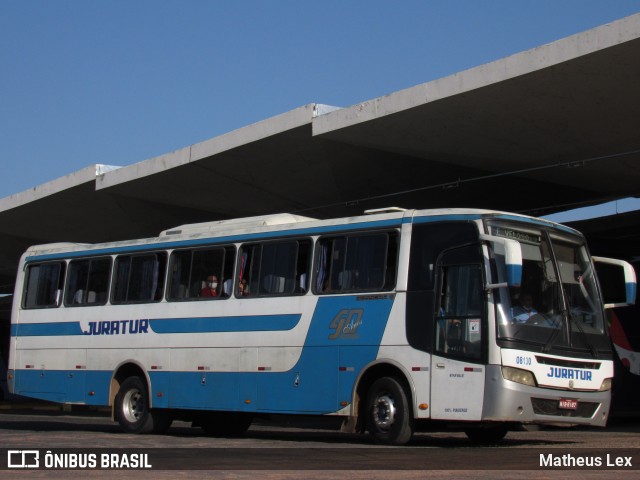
457	374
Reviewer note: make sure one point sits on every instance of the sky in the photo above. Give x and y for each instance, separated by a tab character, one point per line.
116	82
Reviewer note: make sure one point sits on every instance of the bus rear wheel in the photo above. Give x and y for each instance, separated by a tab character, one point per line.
132	412
388	414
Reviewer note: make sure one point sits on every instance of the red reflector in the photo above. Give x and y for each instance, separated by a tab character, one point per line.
264	369
200	367
342	369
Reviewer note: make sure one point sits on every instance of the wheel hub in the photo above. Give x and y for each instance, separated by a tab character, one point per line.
384	412
133	405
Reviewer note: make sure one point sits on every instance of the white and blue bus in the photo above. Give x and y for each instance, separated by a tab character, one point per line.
388	321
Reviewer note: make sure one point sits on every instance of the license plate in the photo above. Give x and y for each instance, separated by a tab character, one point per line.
568	404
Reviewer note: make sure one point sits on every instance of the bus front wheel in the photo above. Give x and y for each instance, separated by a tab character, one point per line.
132	410
388	416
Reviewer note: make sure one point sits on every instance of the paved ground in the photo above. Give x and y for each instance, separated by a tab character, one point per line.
284	451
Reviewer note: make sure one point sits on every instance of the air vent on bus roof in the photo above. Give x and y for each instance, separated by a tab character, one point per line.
234	223
384	210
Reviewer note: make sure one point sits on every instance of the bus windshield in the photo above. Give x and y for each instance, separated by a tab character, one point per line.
557	308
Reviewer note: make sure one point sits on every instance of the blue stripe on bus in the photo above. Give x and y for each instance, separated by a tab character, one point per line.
249	323
255	323
53	329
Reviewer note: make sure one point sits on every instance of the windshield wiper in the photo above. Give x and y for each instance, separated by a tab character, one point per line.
554	336
592	349
521	340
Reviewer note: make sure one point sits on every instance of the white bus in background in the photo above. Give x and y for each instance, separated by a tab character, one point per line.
392	320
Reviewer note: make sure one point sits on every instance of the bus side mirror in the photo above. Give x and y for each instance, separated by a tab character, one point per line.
512	253
617	281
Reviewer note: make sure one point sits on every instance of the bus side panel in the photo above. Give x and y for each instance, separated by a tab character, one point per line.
46	374
344	336
64	386
310	387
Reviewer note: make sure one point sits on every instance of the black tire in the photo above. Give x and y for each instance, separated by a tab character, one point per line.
388	415
224	424
132	412
487	435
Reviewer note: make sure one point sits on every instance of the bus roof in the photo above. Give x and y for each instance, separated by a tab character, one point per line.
244	229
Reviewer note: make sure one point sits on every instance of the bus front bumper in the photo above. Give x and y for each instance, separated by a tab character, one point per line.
514	402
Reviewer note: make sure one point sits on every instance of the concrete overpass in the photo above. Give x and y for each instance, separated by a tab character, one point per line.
537	132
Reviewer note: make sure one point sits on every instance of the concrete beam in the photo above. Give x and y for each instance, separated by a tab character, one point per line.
209	148
523	63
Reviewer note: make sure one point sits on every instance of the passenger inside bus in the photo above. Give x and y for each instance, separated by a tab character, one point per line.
211	287
227	287
523	312
243	288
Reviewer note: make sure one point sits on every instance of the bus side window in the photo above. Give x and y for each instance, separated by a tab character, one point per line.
139	278
191	268
88	282
302	267
274	268
44	283
357	263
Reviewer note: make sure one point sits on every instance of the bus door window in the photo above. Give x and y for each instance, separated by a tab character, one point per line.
458	319
428	241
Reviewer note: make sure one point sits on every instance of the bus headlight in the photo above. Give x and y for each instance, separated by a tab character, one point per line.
606	385
525	377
